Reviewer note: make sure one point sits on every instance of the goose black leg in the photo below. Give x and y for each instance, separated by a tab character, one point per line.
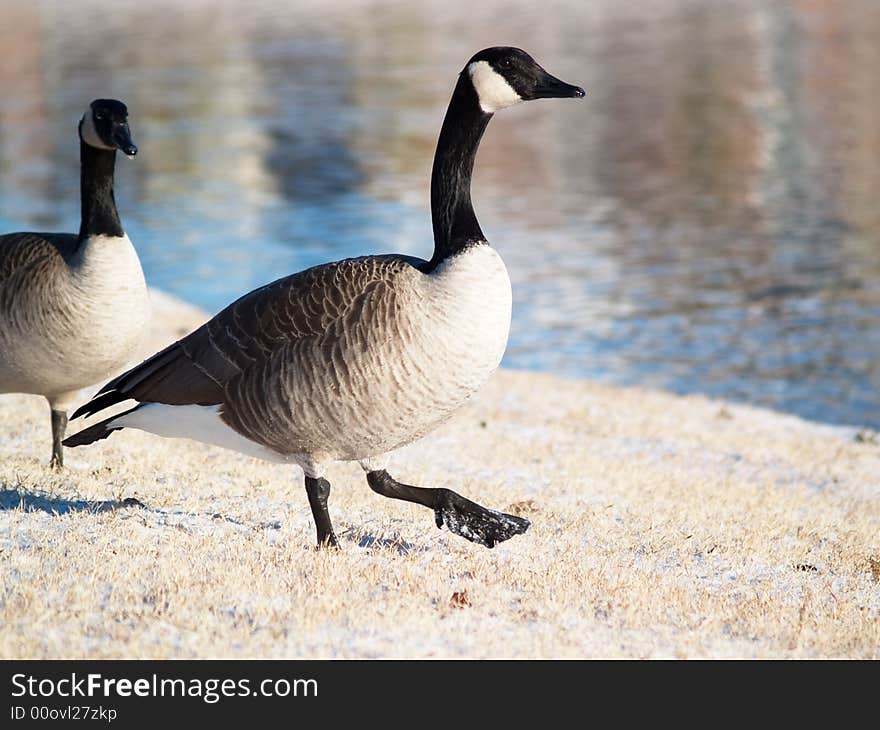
59	424
461	516
318	491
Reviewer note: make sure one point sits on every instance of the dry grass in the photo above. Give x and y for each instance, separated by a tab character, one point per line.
662	527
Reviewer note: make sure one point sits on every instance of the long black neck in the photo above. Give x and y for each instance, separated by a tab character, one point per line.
455	225
99	216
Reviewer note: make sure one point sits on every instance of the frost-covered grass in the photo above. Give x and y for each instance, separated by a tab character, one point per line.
661	526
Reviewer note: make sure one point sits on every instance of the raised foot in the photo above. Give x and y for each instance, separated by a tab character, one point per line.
476	523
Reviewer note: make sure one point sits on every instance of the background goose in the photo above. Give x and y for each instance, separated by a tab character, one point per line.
353	359
73	307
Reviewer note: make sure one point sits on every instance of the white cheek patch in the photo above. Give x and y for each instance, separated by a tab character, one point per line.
492	88
89	134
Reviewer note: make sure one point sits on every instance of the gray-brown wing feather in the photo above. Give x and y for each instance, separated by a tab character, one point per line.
241	356
27	257
288	401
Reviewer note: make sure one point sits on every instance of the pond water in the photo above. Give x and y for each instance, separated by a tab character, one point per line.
706	220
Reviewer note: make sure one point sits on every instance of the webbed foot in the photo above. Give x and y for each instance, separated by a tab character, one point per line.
475	522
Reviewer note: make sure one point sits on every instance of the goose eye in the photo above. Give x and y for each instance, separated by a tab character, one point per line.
99	115
505	63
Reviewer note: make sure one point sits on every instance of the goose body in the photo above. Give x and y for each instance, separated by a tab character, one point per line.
346	361
69	314
353	359
73	307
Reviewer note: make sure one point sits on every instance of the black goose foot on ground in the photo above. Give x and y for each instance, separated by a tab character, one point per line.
59	424
329	542
318	491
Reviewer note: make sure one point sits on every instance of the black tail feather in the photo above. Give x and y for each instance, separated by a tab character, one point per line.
169	376
98	403
117	390
97	431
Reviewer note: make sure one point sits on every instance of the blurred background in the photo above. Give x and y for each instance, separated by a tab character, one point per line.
706	220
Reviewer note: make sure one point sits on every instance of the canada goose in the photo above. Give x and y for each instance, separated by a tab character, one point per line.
73	307
352	359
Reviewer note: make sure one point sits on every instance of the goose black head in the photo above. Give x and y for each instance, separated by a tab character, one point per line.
503	76
105	126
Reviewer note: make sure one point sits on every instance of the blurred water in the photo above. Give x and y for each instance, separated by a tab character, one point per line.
705	221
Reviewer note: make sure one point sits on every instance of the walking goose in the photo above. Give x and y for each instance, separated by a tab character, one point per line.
73	307
352	359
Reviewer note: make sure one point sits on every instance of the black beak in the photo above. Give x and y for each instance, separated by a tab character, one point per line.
549	87
122	139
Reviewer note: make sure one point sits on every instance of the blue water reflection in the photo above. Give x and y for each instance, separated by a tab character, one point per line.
705	221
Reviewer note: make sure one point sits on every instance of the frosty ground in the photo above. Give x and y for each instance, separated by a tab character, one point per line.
662	526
